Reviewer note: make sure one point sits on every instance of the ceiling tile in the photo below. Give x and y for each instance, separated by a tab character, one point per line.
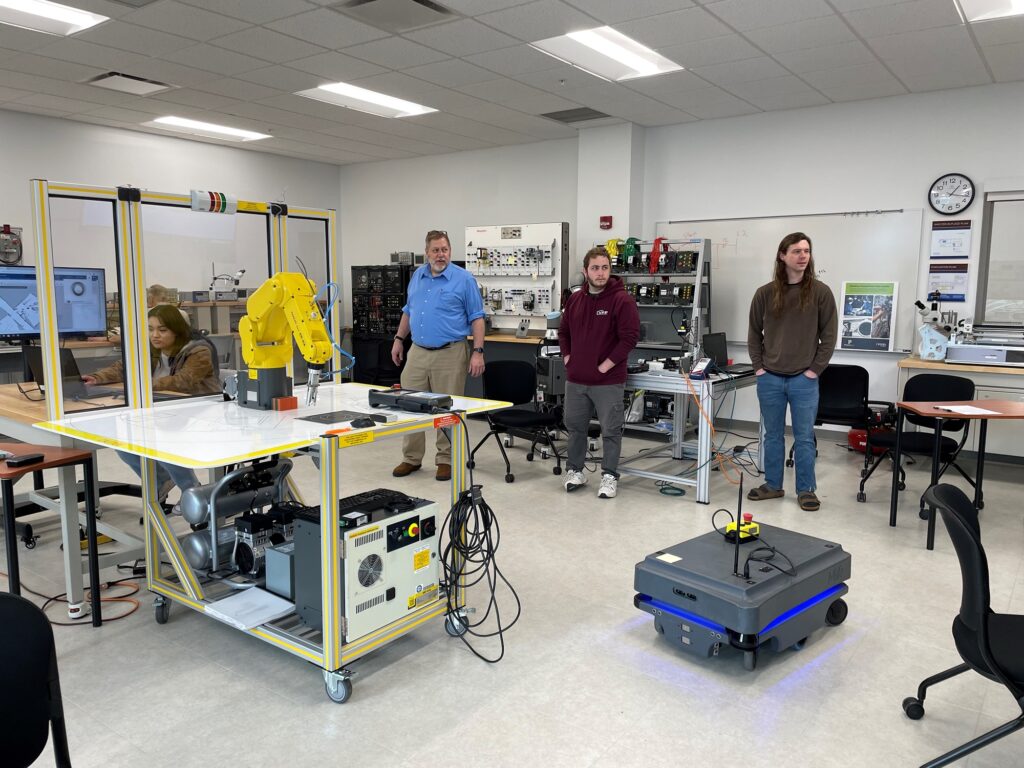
282	78
59	103
1000	31
478	7
18	106
515	61
462	38
254	11
103	7
395	53
510	119
401	85
712	103
854	5
863	90
172	72
214	59
770	87
93	55
122	115
846	76
18	39
668	85
939	80
743	15
33	64
919	53
1006	61
711	50
472	128
414	128
451	73
618	100
614	11
327	28
33	83
267	44
237	89
674	29
904	17
10	94
563	78
540	20
812	59
336	67
741	71
132	37
198	99
185	20
518	96
809	33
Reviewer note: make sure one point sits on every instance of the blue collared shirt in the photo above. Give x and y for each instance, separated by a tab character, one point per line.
441	308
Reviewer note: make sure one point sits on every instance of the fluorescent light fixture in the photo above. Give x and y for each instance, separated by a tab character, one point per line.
138	86
986	10
209	130
44	16
606	53
364	100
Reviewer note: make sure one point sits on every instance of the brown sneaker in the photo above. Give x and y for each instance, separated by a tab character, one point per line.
405	468
444	472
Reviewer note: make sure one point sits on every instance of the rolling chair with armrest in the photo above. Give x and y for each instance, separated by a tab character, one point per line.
515	381
925	388
989	643
843	400
30	700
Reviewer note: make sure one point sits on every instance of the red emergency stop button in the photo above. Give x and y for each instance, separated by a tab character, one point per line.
414	530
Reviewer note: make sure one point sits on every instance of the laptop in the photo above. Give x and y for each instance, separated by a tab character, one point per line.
71	378
715	348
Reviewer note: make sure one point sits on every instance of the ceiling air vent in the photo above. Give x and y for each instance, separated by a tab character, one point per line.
396	16
578	115
139	86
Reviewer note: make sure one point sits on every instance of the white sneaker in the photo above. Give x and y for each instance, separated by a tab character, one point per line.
609	487
573	480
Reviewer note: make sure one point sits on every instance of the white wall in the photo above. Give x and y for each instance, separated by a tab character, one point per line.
876	154
610	183
389	206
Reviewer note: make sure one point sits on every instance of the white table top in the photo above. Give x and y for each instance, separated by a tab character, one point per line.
209	432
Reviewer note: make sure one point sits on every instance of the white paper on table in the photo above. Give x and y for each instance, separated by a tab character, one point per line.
967	410
250	608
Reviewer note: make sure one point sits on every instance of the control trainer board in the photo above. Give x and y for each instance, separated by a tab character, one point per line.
699	603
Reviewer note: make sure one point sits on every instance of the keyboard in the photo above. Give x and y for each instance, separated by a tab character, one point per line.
369	501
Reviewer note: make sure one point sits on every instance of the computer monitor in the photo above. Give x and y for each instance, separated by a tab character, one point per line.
79	293
715	348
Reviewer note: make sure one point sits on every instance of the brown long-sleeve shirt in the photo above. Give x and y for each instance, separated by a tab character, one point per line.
796	339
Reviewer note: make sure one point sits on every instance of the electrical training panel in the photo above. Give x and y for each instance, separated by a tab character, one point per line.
521	270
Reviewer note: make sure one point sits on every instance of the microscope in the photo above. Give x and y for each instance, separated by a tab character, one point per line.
934	332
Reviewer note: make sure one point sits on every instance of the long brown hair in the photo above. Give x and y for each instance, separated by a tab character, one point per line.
779	281
170	317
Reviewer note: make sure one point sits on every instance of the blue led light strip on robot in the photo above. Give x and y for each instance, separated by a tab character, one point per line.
802	607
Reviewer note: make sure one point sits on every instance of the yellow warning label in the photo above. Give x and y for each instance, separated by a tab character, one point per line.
251	207
356	438
421	559
428	595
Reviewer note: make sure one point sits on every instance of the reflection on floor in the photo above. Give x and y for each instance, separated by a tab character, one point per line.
585	681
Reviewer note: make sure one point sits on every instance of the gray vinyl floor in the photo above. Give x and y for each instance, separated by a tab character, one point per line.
585	681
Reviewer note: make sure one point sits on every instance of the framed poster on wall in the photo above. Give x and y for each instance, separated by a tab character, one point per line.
866	316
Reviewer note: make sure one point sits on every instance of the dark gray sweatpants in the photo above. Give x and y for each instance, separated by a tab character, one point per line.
581	402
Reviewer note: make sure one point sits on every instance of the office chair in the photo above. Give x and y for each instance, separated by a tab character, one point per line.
843	400
988	642
515	381
926	387
30	701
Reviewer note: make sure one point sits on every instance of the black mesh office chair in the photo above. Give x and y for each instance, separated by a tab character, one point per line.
927	387
515	381
843	400
30	701
989	643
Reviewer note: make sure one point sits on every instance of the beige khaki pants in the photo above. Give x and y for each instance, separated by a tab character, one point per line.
443	371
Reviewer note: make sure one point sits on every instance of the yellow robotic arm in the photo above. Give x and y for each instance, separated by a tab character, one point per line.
282	308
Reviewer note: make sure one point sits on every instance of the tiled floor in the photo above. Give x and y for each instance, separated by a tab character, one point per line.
586	681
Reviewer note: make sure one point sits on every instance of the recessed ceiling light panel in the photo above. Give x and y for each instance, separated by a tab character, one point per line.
365	100
606	53
44	16
987	10
209	130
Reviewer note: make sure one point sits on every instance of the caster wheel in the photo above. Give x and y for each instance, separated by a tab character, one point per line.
862	497
470	464
837	613
799	644
789	462
913	708
750	660
981	505
162	611
901	486
529	457
510	478
923	514
339	692
556	471
455	625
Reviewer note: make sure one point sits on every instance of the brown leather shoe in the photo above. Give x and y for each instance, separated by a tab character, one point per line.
405	468
444	472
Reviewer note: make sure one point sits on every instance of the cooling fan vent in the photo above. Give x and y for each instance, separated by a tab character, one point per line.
370	570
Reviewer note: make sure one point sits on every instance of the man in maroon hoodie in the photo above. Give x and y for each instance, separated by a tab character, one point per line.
600	326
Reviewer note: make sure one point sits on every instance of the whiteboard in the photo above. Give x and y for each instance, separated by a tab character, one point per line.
848	247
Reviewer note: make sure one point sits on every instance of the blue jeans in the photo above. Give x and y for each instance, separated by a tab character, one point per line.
800	393
183	477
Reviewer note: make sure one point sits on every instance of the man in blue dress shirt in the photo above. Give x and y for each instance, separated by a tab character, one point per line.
443	307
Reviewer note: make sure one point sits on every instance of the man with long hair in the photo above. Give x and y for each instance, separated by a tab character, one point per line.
791	337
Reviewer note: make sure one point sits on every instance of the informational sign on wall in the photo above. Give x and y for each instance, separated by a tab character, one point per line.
950	280
866	316
951	239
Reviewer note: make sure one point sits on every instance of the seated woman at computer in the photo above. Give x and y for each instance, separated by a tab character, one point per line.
181	364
